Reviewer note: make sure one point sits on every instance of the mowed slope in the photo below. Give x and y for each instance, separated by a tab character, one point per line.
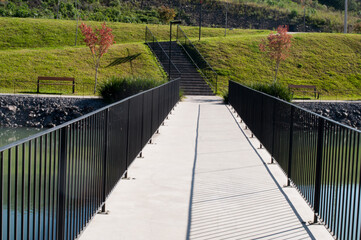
332	62
19	69
41	47
38	33
36	47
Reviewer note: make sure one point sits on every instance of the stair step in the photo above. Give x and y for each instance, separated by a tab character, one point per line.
192	82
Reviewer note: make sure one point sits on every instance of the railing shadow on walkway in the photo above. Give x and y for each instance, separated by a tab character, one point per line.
207	100
223	207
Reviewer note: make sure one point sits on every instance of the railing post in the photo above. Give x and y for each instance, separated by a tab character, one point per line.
177	32
273	130
60	221
128	137
142	121
289	169
106	132
316	204
151	119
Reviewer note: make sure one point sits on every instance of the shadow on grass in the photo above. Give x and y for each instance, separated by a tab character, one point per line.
53	93
302	98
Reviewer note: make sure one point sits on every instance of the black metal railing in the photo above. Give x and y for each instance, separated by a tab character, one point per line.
161	55
52	183
198	60
321	157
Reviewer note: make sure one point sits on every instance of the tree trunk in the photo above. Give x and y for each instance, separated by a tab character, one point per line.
96	78
276	71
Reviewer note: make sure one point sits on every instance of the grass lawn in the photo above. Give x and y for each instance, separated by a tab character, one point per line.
39	33
19	69
43	47
332	62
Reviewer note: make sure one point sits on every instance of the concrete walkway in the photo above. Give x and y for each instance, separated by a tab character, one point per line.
203	179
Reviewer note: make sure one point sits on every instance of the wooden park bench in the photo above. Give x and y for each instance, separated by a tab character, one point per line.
309	89
59	81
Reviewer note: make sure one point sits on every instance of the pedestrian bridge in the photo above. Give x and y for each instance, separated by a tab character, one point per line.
204	176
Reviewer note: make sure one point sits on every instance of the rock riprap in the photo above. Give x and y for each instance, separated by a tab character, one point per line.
43	112
343	112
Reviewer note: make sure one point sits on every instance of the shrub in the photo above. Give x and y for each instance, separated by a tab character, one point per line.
357	28
181	94
117	88
275	89
225	96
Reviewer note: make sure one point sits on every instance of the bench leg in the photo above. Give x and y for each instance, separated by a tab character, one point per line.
37	90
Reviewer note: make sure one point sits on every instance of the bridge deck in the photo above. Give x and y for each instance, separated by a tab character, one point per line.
203	179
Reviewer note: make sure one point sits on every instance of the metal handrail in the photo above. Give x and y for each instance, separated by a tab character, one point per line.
299	107
204	61
311	149
155	41
72	168
68	123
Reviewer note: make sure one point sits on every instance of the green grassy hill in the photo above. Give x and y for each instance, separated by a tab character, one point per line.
332	62
260	14
41	47
322	15
38	47
39	33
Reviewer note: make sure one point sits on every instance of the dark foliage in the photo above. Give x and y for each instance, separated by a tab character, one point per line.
117	88
276	90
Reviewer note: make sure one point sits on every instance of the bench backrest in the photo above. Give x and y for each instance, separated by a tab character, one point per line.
56	78
301	86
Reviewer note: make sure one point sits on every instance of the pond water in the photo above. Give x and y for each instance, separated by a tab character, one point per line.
10	135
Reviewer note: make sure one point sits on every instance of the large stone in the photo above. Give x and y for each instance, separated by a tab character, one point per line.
43	111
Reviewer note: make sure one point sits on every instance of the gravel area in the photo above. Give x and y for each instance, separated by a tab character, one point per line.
46	112
43	112
343	112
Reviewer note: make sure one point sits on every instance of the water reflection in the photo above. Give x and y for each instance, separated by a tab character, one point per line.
10	135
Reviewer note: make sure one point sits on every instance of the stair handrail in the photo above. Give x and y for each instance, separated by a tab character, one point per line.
153	41
198	60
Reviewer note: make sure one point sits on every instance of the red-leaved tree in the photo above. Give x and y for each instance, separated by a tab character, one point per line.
98	42
277	46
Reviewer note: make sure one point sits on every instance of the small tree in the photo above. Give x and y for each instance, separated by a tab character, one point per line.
277	47
166	14
98	42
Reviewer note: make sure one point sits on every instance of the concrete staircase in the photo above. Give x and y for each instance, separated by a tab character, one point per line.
192	82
